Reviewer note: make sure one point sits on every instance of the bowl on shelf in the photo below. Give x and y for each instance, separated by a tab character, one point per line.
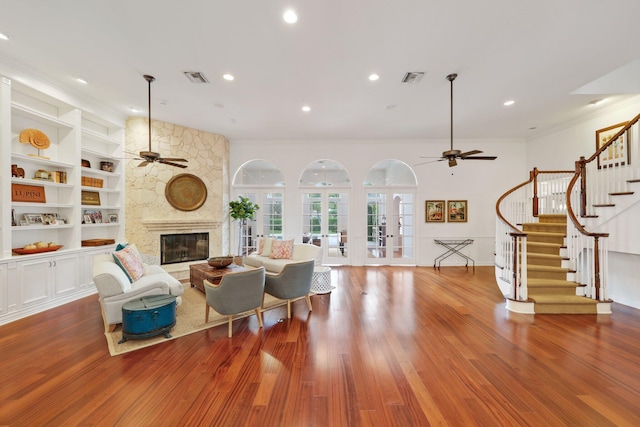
220	261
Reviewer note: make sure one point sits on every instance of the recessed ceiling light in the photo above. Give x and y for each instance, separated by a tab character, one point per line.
390	107
4	36
134	110
227	77
290	17
373	77
509	103
306	108
596	102
81	80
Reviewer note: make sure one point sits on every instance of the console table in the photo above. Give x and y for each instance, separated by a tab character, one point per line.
453	248
199	272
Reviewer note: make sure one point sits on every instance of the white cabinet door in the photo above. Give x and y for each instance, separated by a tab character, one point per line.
65	271
4	290
34	281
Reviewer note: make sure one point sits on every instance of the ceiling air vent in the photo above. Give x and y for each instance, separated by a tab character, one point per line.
413	77
196	77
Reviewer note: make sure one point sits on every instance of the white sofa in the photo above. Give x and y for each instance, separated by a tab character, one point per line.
115	288
301	252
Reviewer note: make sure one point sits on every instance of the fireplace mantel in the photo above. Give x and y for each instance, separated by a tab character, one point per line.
180	224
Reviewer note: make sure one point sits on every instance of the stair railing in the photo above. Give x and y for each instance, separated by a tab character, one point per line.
607	172
596	180
543	193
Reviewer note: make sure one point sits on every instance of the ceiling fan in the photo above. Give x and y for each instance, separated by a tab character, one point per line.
451	155
149	157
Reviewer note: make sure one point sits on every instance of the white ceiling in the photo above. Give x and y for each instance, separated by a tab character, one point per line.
551	57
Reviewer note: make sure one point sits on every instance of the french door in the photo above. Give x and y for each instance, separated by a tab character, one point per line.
390	227
325	215
267	222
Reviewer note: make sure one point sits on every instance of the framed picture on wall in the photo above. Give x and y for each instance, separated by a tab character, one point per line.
434	210
617	154
457	211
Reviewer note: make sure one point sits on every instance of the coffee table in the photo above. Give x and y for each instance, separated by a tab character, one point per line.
199	272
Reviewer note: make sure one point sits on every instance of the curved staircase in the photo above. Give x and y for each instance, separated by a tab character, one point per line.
549	289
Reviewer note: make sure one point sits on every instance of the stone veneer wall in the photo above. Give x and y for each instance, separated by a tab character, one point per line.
148	213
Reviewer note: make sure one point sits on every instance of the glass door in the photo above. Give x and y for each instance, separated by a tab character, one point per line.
390	228
268	222
325	215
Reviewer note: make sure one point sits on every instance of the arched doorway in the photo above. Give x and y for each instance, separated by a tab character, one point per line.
390	187
325	190
263	183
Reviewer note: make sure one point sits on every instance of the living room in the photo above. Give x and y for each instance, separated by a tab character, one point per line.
219	128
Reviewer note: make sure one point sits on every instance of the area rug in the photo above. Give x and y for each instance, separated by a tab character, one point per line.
189	319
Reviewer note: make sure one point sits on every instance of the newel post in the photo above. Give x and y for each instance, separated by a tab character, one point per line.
533	175
596	266
581	168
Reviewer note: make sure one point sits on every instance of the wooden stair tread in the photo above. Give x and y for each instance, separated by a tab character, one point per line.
633	180
536	267
622	193
604	205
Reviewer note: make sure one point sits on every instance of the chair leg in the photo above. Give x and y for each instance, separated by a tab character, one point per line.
259	314
206	313
230	327
288	309
308	298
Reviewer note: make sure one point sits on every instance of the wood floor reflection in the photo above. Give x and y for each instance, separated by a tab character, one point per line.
390	346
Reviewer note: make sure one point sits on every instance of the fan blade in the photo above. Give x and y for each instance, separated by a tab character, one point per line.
174	159
439	159
145	163
480	158
171	163
469	153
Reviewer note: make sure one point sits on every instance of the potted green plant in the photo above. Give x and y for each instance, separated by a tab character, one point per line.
242	210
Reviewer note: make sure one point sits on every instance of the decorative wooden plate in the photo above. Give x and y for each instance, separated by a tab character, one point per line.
22	251
186	192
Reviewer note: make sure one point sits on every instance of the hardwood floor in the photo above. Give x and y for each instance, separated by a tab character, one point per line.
390	346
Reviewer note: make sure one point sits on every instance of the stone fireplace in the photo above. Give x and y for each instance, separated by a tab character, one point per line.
148	214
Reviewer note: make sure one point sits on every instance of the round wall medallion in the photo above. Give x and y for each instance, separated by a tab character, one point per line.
185	192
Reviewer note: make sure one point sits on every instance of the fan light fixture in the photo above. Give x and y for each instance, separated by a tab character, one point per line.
452	155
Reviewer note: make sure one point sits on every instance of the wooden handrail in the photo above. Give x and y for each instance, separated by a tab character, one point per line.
570	212
613	139
504	196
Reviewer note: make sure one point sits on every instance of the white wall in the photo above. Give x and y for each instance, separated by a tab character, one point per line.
478	182
557	151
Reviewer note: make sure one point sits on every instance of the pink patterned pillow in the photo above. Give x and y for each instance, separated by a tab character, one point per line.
130	261
281	249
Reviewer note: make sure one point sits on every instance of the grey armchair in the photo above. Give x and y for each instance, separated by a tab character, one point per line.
236	293
293	283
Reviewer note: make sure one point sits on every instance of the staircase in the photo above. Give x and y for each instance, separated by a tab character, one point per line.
549	289
552	231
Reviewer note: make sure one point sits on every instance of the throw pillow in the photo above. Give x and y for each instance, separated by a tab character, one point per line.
260	246
281	249
266	249
130	262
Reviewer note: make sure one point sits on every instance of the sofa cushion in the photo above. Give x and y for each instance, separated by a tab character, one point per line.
130	261
281	249
266	246
305	252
